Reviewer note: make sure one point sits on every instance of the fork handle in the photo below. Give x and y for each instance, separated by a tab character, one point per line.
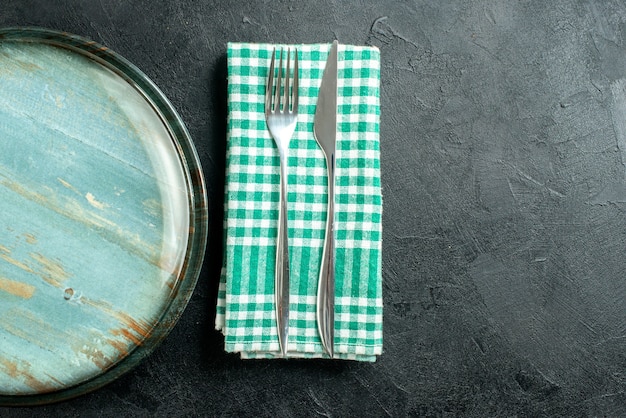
326	286
282	264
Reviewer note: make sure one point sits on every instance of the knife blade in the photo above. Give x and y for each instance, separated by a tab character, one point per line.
325	133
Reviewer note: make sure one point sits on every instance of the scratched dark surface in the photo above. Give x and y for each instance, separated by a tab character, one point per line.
503	143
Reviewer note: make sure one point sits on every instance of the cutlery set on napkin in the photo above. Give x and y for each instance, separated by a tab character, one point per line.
303	216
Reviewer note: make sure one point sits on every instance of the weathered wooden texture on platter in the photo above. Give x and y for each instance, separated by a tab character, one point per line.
93	218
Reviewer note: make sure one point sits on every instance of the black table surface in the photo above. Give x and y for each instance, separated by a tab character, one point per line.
503	137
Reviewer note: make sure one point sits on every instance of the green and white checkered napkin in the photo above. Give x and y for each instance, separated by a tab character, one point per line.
245	308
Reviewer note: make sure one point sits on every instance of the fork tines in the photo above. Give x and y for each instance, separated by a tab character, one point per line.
274	89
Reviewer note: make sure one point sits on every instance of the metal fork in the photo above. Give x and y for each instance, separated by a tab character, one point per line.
281	114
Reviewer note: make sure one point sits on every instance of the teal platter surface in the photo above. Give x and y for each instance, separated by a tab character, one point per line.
103	216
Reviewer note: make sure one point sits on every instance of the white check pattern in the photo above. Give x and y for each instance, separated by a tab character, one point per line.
245	308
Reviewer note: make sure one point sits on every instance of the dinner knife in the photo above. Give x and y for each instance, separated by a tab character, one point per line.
325	132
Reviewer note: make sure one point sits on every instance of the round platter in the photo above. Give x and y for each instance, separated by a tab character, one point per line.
103	216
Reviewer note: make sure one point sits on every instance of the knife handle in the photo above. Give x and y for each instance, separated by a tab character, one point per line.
281	276
326	286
